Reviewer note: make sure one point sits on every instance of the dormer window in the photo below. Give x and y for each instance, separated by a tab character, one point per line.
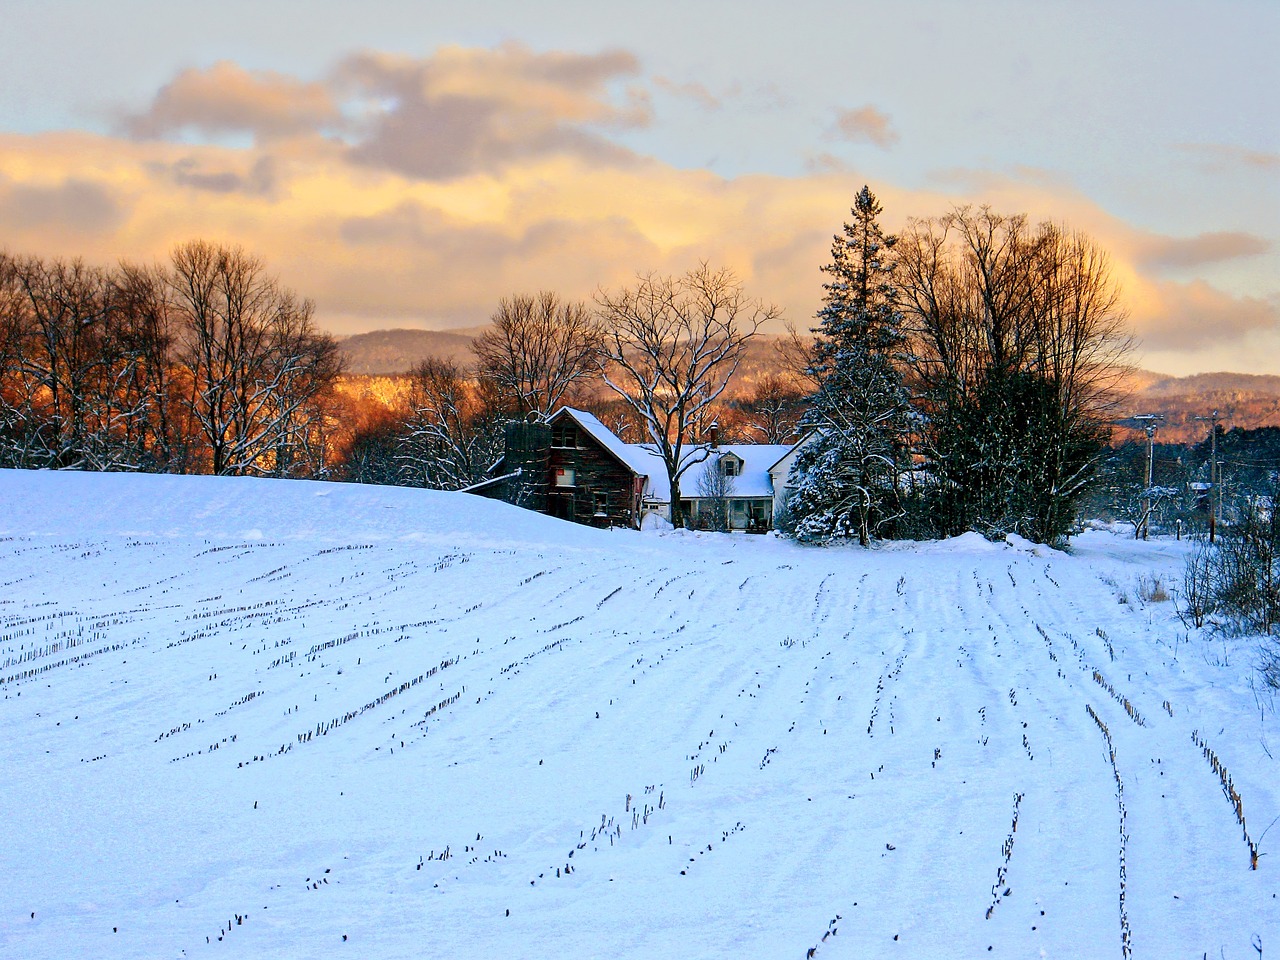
730	466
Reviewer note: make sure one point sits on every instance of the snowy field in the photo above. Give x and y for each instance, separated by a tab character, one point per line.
247	718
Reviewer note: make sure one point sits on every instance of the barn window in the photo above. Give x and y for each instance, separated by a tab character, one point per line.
602	504
564	434
564	476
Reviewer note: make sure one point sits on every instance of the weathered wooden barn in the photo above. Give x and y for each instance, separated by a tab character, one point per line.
572	467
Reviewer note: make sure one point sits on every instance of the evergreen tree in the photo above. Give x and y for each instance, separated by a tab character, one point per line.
845	477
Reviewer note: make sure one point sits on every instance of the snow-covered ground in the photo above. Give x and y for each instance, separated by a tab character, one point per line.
245	718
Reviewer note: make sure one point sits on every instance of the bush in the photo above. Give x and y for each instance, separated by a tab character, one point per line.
1235	586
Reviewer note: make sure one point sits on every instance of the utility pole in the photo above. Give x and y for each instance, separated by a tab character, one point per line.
1214	497
1149	422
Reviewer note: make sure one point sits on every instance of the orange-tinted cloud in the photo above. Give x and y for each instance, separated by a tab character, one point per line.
227	99
1195	315
691	90
66	208
1178	252
257	178
1222	157
392	225
865	125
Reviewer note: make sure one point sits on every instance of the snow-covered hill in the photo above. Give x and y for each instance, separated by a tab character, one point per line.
281	719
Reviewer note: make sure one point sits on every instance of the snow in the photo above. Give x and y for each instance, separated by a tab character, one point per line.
245	718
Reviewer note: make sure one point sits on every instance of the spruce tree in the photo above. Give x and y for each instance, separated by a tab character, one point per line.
845	476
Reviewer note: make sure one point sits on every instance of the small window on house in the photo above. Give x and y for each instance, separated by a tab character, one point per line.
564	476
730	466
602	504
564	434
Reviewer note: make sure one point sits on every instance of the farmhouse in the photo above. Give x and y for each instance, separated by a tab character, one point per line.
576	468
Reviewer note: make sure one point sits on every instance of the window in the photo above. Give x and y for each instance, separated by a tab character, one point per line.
564	434
730	466
564	476
602	504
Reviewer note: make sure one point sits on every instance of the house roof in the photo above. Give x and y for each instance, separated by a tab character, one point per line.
476	487
753	481
795	446
642	464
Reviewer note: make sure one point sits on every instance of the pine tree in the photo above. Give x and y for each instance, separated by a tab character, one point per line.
845	477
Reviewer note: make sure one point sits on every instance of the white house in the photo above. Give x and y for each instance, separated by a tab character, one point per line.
780	473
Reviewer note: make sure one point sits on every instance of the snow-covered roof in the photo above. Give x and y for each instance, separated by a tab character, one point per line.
753	481
789	448
641	463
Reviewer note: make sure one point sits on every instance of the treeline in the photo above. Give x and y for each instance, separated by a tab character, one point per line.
204	364
1180	494
964	374
658	374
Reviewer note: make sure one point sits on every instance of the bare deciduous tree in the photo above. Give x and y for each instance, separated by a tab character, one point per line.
67	368
772	412
158	434
672	345
454	429
255	361
715	488
538	348
1017	339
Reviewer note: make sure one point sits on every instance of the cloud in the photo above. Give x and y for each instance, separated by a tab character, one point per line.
258	178
68	208
1178	253
692	90
472	174
864	125
464	111
1221	157
413	240
1196	315
227	99
826	163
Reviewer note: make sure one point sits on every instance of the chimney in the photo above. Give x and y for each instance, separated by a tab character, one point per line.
714	431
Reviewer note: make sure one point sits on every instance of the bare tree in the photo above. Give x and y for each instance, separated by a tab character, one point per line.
773	411
1016	340
12	315
158	434
538	348
454	429
68	365
254	361
672	345
797	353
715	488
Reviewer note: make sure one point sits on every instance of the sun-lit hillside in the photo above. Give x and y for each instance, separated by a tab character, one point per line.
254	718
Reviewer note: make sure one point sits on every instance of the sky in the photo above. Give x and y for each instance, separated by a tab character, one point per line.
409	164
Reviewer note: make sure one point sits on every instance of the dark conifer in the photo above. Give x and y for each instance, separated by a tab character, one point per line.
846	476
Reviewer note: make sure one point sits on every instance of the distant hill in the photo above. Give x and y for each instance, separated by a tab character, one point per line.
390	352
398	351
1241	399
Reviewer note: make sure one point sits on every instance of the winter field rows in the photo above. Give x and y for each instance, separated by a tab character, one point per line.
247	718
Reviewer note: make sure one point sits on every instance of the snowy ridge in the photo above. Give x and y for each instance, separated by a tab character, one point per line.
262	719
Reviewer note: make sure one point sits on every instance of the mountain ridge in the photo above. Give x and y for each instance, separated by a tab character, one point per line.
1241	399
